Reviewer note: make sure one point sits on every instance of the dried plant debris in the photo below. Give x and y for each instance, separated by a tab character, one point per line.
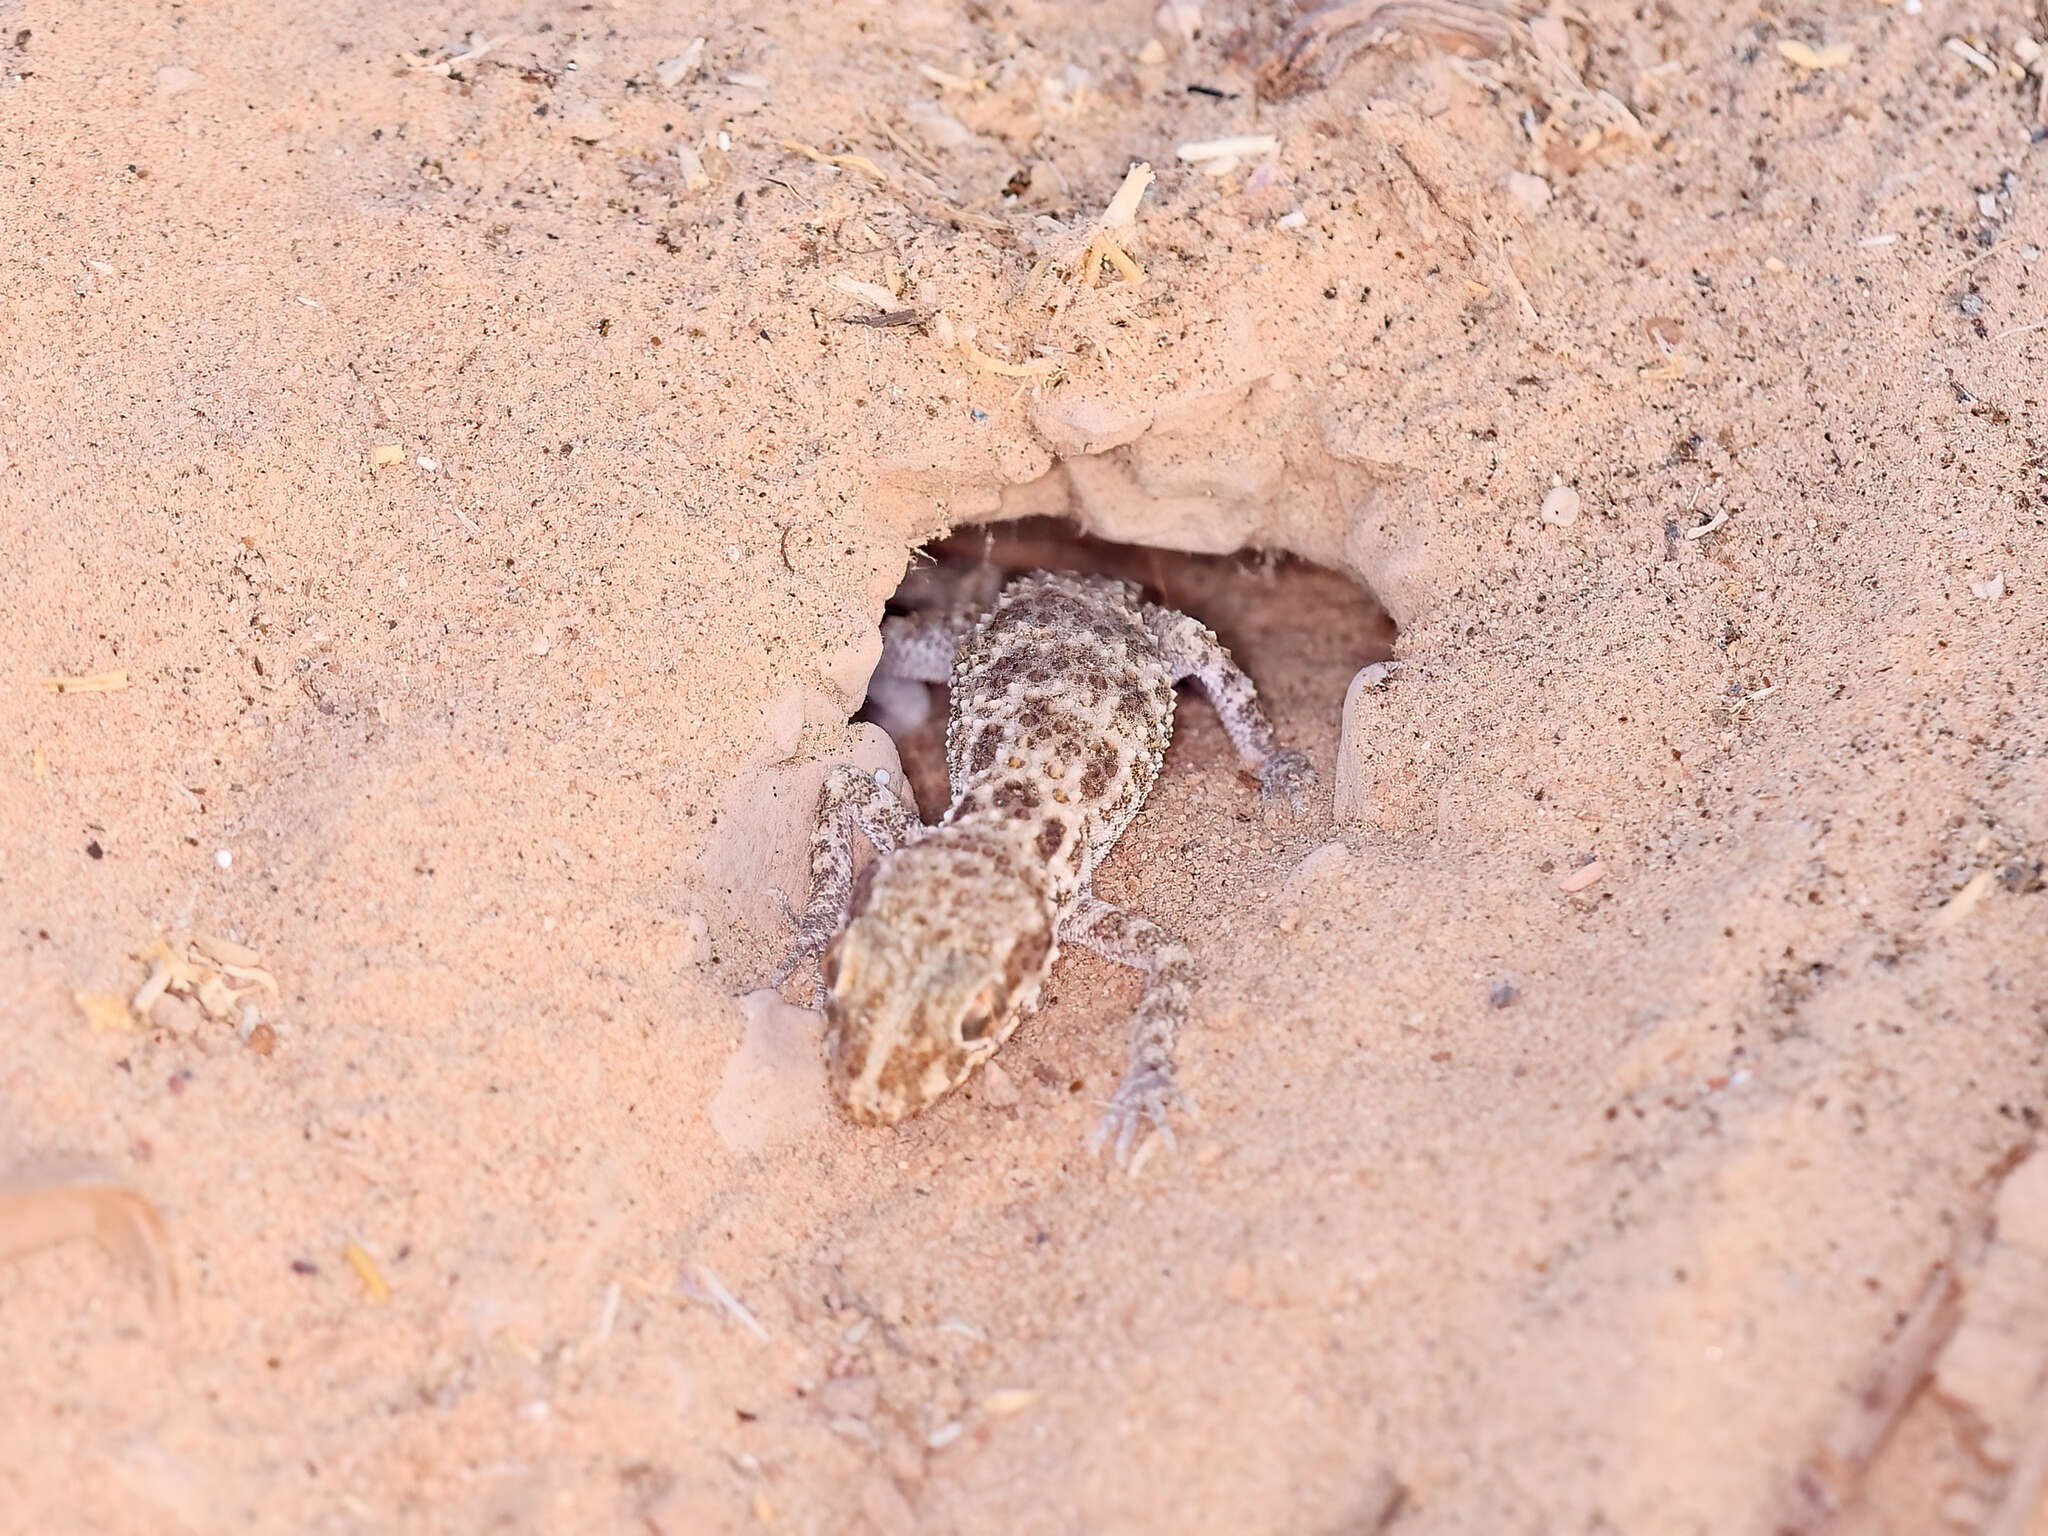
1317	45
91	682
106	1012
1080	259
848	162
38	1214
1807	57
375	1287
1994	1369
1828	1480
960	338
224	979
1521	54
446	60
701	1284
1978	1338
682	168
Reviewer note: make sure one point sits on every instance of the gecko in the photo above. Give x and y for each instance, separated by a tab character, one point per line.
1061	704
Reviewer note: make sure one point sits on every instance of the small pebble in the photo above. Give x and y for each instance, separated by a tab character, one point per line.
1582	878
938	128
1560	508
670	73
262	1039
1532	192
998	1090
1503	994
223	858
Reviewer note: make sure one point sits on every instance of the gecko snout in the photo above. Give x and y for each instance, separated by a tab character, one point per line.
911	1027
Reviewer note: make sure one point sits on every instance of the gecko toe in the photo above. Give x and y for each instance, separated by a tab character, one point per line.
1288	776
1145	1098
812	936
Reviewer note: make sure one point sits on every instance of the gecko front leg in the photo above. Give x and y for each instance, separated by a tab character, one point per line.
1192	650
918	647
849	798
1148	1090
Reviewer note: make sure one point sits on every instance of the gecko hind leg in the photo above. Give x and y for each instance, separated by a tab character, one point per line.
1148	1092
849	798
918	646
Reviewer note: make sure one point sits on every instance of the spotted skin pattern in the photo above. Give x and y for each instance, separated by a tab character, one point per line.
1061	707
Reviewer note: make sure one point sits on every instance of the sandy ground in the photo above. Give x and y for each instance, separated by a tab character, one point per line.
1525	1196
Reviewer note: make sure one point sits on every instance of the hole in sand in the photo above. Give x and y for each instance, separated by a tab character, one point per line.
1302	631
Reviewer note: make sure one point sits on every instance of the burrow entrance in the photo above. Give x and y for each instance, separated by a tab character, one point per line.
1301	630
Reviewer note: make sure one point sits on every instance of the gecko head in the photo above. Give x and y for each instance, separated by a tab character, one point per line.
942	954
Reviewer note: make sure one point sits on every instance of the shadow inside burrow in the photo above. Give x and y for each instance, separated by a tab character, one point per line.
1300	630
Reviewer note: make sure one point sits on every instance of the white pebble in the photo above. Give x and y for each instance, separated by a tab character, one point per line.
1532	192
1560	508
938	128
429	465
224	859
670	73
